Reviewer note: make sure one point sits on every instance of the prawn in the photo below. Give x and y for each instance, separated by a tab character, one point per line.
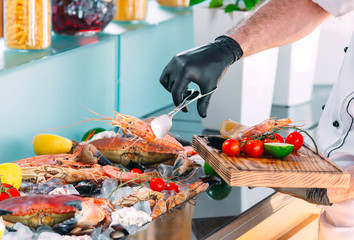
141	129
266	126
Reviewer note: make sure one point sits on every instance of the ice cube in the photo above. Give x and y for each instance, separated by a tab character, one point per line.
61	191
44	228
83	237
165	170
194	176
132	229
106	234
198	159
105	134
54	182
49	235
22	232
168	193
27	187
71	189
129	216
143	206
96	232
47	187
123	192
108	186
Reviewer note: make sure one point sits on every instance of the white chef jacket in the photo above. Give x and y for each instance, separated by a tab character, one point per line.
335	133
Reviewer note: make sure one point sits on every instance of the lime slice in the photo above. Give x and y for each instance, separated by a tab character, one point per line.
93	130
219	191
51	144
278	150
208	170
11	173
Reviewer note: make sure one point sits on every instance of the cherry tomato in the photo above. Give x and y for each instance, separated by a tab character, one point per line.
172	187
8	191
136	170
255	148
243	144
273	138
157	184
296	139
231	147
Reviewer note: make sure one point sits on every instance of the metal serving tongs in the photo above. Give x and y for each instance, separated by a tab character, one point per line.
162	124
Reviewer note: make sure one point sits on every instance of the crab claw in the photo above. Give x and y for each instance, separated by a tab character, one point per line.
102	160
5	212
74	203
90	214
69	225
89	153
183	165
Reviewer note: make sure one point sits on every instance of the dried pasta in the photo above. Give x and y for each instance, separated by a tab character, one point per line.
174	3
130	10
28	24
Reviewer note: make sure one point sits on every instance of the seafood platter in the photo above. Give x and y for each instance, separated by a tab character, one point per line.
108	186
115	183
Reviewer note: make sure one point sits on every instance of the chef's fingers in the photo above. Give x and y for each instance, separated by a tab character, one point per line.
180	89
189	94
203	105
165	78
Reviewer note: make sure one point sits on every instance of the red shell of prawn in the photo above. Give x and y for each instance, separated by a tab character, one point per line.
26	205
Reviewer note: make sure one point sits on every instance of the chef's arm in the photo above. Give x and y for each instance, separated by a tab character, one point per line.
323	196
342	194
275	23
311	195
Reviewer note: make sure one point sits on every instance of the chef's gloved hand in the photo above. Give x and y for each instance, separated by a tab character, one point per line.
204	66
311	195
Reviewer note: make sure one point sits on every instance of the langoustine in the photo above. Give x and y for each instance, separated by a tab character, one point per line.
264	127
163	206
141	129
95	173
82	156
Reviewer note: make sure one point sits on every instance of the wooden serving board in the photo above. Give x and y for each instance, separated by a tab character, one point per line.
306	169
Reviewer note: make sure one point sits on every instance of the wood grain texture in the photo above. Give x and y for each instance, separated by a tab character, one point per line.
304	169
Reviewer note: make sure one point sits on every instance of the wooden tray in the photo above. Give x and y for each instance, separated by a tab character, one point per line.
305	169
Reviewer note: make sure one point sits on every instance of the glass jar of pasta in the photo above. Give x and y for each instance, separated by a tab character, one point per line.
27	24
130	10
174	3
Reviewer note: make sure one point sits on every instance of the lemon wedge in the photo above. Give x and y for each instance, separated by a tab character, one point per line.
230	128
11	173
51	144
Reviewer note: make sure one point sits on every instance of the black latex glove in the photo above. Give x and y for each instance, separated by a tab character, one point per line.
311	195
204	66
